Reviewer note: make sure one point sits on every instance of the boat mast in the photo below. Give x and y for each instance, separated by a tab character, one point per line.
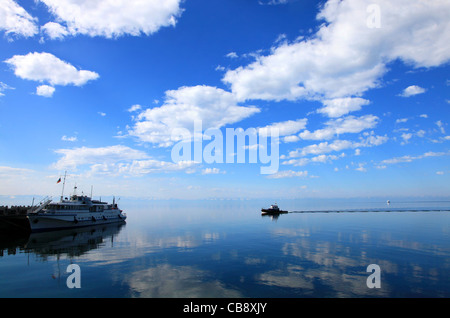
64	183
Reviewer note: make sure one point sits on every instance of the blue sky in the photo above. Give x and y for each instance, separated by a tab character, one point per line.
359	91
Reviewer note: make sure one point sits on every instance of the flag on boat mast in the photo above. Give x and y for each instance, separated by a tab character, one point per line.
59	180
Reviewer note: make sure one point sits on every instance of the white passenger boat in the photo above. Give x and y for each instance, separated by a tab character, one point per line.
78	211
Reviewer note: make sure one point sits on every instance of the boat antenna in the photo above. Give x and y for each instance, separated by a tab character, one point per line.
64	183
91	190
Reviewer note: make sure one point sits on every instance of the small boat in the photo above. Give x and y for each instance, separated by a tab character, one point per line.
273	209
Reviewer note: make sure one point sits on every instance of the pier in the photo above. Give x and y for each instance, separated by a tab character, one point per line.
14	218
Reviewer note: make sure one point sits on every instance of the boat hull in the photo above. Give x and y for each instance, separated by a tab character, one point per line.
48	222
271	211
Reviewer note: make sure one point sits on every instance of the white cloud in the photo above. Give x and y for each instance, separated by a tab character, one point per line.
140	167
134	108
288	174
114	18
317	159
211	171
4	87
406	137
361	167
342	106
45	67
401	120
54	30
323	147
409	158
16	20
232	55
211	106
349	124
272	2
45	90
72	139
370	140
421	133
73	158
412	90
440	124
291	138
5	170
346	57
115	160
284	128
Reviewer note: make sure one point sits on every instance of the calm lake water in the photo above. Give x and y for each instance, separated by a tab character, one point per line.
227	249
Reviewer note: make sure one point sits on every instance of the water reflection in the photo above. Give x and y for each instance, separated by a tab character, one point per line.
71	242
325	260
274	217
168	280
218	253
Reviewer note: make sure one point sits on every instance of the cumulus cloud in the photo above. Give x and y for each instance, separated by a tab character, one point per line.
369	140
134	108
347	56
45	90
182	108
284	128
111	18
406	137
45	67
315	159
292	138
321	148
73	158
349	124
232	55
412	90
335	127
341	106
114	160
16	20
72	139
54	30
